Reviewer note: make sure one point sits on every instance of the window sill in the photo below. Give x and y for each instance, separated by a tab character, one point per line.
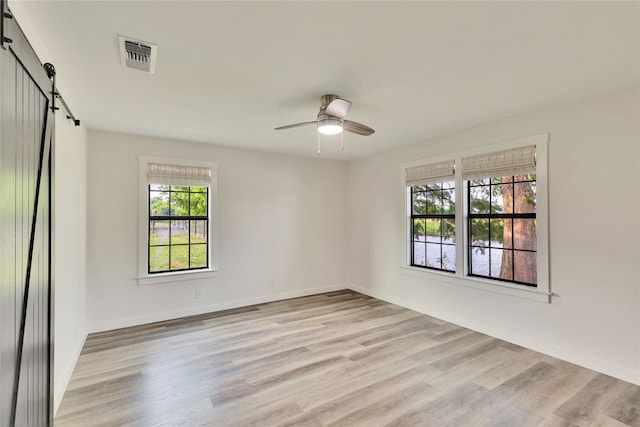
177	276
488	285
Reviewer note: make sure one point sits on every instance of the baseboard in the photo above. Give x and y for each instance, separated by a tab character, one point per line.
192	311
563	354
60	387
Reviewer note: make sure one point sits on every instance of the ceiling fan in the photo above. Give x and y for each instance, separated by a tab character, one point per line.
330	119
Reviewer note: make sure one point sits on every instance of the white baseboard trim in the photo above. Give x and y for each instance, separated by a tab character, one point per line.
192	311
62	380
597	365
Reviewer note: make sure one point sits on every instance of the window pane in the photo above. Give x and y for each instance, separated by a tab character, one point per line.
525	197
159	203
479	199
198	189
434	202
444	205
525	267
434	257
179	188
433	229
501	263
525	234
419	203
497	232
179	232
198	256
448	202
158	233
507	237
179	257
449	230
449	257
198	204
480	261
498	195
480	231
419	254
198	231
419	229
534	189
158	258
179	204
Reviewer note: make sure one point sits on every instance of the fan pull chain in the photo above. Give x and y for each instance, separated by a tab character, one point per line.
342	141
318	143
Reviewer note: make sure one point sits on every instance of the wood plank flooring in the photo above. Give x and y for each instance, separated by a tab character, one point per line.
335	359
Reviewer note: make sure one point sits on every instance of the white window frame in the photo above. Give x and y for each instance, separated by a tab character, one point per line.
540	293
144	278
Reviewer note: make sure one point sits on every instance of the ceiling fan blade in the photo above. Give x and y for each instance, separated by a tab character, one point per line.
297	125
358	128
338	108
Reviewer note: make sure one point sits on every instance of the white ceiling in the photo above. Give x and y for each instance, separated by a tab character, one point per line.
229	72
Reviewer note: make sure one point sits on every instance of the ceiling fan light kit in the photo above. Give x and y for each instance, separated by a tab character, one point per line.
330	119
329	125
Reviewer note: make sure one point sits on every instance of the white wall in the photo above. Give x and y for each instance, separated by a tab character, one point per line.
70	250
594	178
281	219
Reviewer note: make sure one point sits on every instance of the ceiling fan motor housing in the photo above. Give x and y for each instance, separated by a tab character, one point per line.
326	100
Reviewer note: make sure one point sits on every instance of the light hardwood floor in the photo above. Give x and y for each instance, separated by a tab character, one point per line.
338	359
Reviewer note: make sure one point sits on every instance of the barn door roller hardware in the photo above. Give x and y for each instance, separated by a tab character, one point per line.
51	72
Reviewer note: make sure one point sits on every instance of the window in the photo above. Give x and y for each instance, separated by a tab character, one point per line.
432	192
178	223
433	226
177	219
501	214
497	232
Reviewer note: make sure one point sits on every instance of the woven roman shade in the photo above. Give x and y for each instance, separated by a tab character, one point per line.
517	161
192	176
430	173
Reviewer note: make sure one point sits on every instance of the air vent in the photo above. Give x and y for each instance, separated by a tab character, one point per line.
137	54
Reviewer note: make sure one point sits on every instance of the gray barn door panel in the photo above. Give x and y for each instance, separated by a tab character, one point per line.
26	138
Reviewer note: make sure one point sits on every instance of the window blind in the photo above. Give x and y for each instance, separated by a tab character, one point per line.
192	176
428	174
517	161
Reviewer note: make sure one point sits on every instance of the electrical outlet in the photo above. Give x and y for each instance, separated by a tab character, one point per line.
272	284
198	293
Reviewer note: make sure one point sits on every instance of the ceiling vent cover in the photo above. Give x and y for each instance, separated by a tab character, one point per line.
137	54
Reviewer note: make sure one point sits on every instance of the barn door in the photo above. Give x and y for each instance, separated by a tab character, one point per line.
26	141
